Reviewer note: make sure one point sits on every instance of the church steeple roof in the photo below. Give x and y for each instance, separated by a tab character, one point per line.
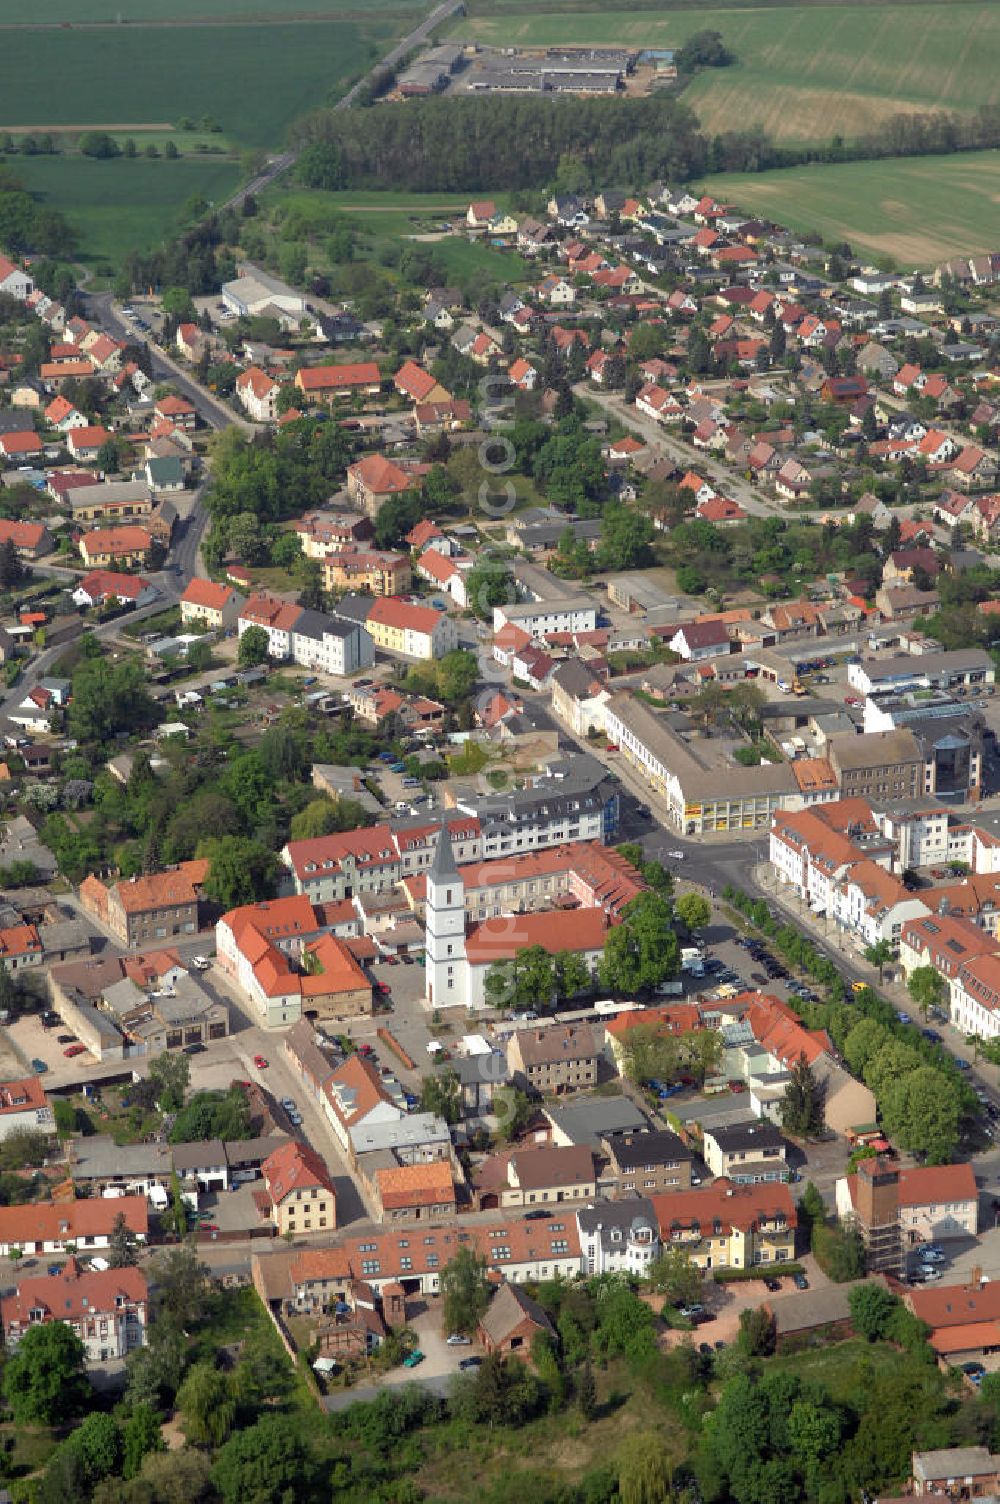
443	869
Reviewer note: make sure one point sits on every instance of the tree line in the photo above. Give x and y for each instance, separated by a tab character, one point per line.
465	144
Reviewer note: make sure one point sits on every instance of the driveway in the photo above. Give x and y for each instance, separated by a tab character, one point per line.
726	1303
436	1372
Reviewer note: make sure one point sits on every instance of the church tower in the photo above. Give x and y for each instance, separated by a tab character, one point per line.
445	970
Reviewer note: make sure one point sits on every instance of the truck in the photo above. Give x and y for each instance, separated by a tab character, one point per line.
692	961
674	989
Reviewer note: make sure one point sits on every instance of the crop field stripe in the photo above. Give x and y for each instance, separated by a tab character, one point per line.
917	210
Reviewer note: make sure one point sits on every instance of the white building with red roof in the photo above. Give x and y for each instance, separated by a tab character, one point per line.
258	394
13	281
216	605
103	585
107	1309
459	956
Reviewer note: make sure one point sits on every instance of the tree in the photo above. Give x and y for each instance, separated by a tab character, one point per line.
123	1249
457	673
441	1093
802	1104
466	1291
265	1464
97	1442
674	1275
489	583
140	1436
757	1332
586	1392
923	1111
170	1073
872	1308
109	456
879	954
512	1110
199	655
643	1470
207	1406
43	1381
319	818
182	1282
253	648
11	568
649	1054
927	987
241	870
693	910
642	951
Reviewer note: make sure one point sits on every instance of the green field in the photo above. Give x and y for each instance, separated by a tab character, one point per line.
118	12
802	72
124	204
916	210
253	80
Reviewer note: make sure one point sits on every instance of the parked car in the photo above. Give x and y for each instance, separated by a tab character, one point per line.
458	1339
39	1066
414	1359
801	1283
260	1062
772	1284
467	1363
72	1050
694	1309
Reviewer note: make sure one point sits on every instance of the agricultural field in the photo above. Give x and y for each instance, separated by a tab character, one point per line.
125	12
803	73
916	210
253	80
125	204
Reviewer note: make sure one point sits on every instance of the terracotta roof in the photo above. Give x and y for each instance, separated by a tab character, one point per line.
117	540
931	1185
382	476
73	1294
354	1089
161	890
102	584
20	940
336	377
71	1221
554	930
400	614
416	1185
414	382
22	1095
741	1206
295	1167
207	593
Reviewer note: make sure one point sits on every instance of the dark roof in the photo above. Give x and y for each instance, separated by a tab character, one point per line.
631	1150
733	1137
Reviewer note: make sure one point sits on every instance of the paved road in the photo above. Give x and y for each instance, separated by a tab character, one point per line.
277	166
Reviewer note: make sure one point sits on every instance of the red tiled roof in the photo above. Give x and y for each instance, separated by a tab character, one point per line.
295	1166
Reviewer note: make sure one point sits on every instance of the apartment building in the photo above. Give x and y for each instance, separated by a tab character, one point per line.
311	639
647	1163
727	1226
618	1237
975	996
746	1153
375	570
107	1309
284	958
553	1060
124	547
217	606
411	631
330	383
301	1190
143	909
879	765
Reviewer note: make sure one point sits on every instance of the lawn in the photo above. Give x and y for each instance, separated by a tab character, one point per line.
845	1368
917	210
801	73
253	80
125	204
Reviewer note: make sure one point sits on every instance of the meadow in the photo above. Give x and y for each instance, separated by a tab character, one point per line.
917	211
803	73
253	80
125	204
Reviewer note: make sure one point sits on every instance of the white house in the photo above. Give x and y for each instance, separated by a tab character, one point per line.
13	281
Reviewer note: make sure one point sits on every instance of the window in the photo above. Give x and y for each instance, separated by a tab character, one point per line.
370	1266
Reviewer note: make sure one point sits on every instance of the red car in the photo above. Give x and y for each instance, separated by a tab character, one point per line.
382	987
74	1049
365	1049
260	1062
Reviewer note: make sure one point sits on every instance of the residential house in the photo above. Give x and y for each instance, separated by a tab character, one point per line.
124	547
415	1192
555	1059
258	394
539	1176
727	1226
328	383
106	1308
745	1153
647	1163
897	1210
218	606
151	907
301	1190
